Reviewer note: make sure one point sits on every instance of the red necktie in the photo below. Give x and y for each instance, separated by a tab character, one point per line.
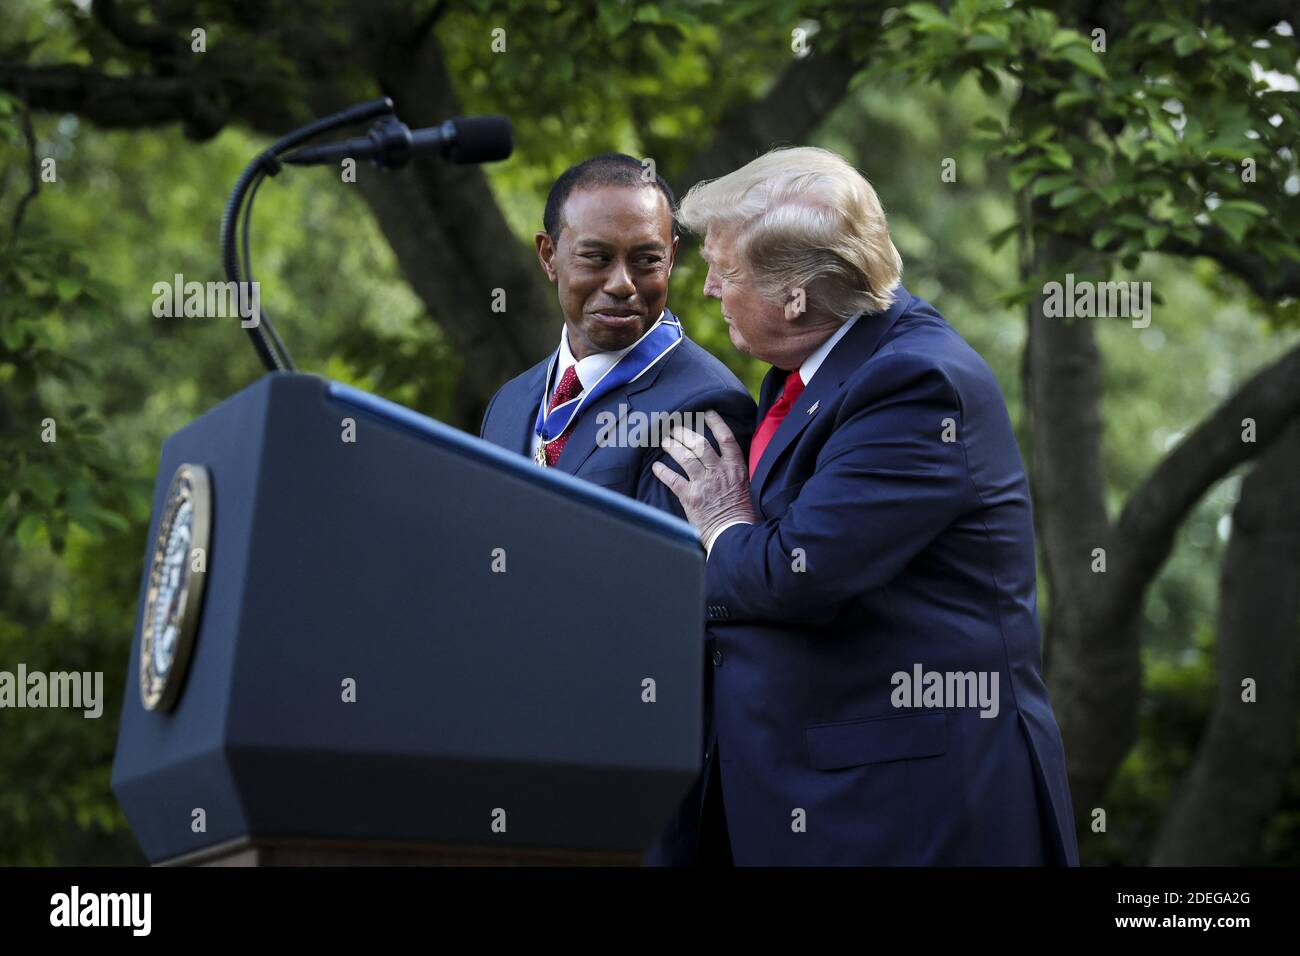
568	388
791	391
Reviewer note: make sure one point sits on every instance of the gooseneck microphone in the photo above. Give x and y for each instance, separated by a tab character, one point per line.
391	143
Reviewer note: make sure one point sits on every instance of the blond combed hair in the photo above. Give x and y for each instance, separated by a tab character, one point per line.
805	219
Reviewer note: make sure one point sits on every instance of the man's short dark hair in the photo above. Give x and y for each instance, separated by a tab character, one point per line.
607	169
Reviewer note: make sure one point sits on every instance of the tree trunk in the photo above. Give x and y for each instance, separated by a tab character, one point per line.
1094	675
1217	818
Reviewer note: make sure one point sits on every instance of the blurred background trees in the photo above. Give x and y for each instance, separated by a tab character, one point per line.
1123	163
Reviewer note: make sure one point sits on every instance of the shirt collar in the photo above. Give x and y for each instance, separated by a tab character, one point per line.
811	364
590	369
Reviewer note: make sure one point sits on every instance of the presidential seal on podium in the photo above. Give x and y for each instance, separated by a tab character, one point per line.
174	595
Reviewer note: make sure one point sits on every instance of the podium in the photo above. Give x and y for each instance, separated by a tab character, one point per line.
410	646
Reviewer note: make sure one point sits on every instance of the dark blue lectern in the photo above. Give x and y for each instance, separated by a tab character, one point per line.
410	646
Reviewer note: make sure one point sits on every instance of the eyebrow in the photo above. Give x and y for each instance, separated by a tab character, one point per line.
655	246
712	261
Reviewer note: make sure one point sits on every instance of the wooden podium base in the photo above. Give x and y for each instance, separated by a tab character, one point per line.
290	851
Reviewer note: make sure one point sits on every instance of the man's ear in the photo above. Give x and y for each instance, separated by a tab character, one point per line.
796	305
672	253
546	254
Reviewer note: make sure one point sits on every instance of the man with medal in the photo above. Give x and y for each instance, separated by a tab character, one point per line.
608	245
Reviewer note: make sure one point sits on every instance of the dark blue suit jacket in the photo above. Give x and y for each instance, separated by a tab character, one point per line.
897	475
688	380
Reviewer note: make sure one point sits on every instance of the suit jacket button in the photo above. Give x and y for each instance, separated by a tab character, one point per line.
717	657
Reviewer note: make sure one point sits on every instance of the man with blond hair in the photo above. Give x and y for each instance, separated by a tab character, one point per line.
870	582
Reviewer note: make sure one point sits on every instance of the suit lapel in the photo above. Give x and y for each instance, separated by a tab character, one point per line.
858	345
522	415
769	390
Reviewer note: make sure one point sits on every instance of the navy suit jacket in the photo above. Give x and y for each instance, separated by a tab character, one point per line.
689	379
894	531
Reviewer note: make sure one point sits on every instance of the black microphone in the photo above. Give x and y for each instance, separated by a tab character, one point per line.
391	143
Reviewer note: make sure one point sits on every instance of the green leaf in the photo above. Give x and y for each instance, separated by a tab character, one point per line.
1058	156
1160	32
1084	59
1154	235
1068	196
1234	222
67	288
1112	193
110	518
1164	133
1103	236
929	15
12	335
1042	134
949	78
615	18
1063	38
44	488
29	529
34	285
999	238
1244	206
1021	173
1187	43
1050	184
985	42
1068	98
1019	294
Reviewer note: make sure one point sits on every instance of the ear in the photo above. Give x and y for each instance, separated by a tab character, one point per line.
672	253
796	305
546	255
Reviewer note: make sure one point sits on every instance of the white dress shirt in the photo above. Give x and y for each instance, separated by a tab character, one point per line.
813	362
589	371
806	372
